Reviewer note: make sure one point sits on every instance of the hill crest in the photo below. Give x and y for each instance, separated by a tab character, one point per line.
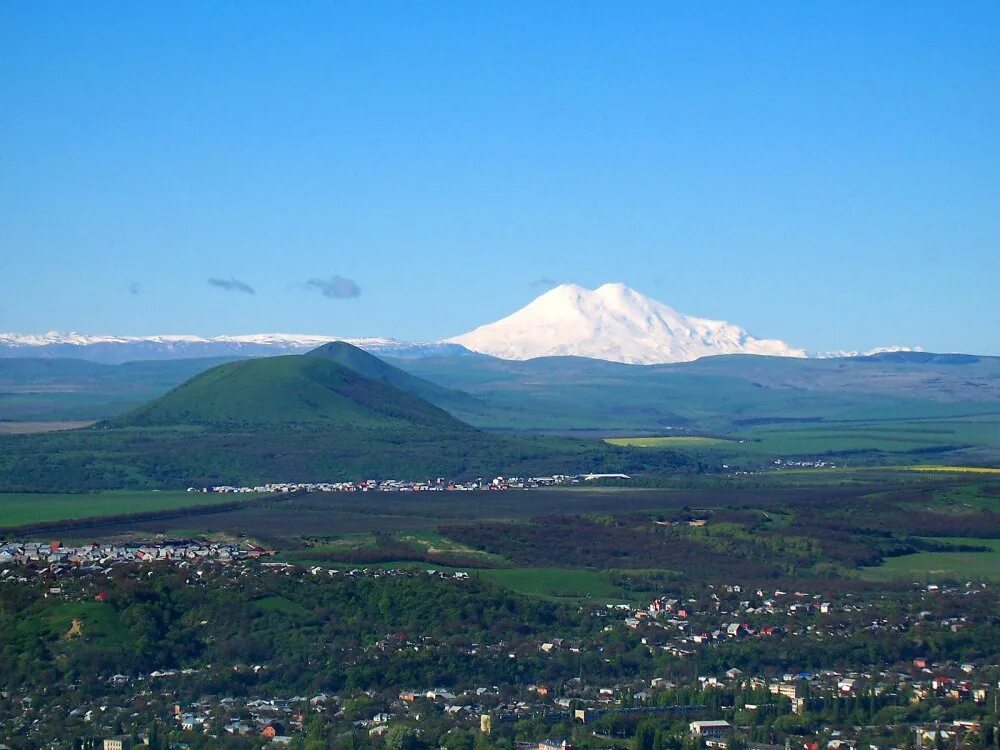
370	366
291	390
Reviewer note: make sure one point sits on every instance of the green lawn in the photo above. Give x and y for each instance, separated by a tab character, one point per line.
19	509
961	566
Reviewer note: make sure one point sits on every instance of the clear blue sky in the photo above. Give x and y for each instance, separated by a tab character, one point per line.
826	173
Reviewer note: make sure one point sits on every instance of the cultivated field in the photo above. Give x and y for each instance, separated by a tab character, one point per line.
22	509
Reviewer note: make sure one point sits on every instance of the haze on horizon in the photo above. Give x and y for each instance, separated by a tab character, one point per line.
826	176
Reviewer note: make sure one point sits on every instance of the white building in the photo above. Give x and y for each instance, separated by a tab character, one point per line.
709	728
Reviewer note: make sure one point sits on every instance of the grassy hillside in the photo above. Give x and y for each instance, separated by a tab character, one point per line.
372	367
289	390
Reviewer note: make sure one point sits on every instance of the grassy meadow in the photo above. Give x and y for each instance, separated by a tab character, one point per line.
21	509
931	566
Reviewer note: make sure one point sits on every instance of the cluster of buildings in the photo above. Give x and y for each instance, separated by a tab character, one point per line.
682	626
454	575
799	463
273	719
439	484
98	553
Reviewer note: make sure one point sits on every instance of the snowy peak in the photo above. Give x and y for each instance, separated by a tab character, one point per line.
616	323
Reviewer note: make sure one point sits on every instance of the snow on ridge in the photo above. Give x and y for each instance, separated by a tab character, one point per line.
269	339
612	323
118	349
869	353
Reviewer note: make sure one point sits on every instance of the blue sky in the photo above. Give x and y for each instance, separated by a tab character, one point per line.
825	173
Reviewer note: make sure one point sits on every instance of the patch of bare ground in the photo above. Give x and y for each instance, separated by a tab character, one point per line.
28	428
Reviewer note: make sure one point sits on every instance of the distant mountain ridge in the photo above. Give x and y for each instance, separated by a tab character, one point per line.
118	349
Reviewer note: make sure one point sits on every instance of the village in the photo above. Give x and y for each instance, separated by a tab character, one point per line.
438	484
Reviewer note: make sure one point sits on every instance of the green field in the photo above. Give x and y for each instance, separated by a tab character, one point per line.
558	583
20	509
957	469
927	566
853	441
897	437
672	441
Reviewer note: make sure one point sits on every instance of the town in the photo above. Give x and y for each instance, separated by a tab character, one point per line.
669	643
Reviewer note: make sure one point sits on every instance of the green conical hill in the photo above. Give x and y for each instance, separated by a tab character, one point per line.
290	390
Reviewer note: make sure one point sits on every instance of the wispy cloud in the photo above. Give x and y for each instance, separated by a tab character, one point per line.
231	284
135	288
335	287
544	281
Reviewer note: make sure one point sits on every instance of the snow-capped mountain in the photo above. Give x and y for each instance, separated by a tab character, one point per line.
117	349
612	323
